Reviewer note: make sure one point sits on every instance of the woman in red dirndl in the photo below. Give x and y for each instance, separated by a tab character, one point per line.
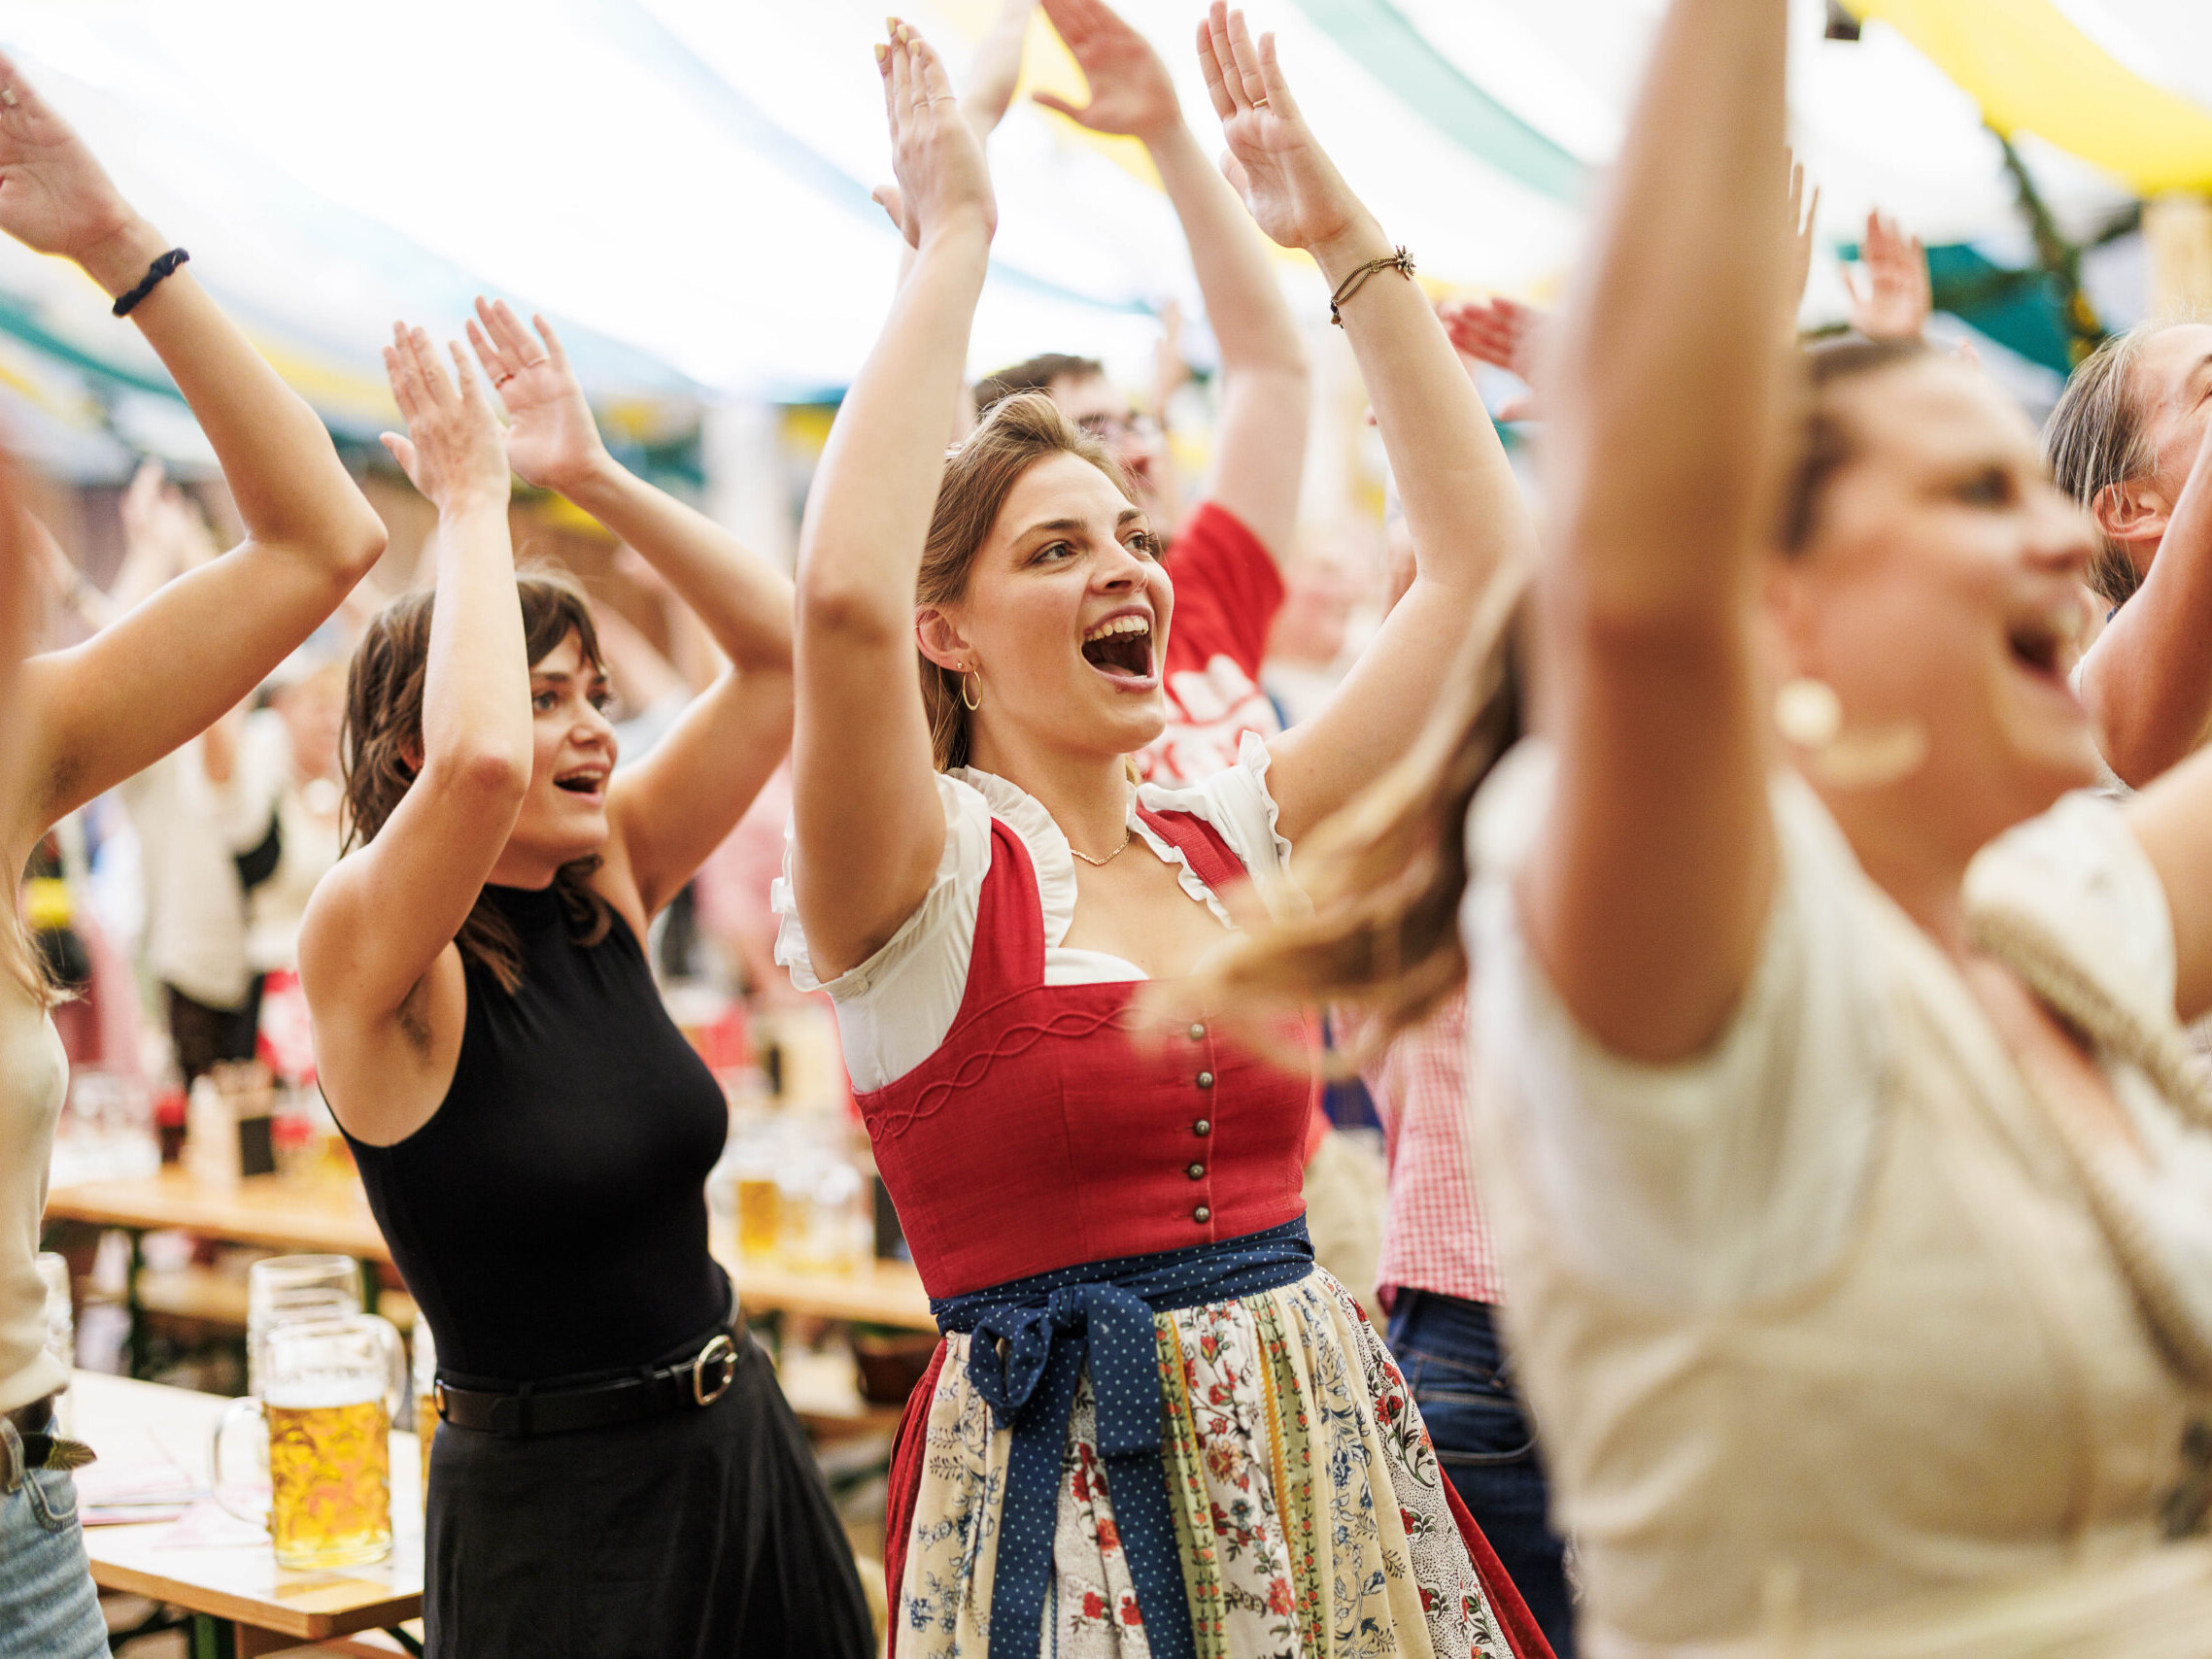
1154	1426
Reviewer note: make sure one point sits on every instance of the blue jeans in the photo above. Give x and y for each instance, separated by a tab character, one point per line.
1462	1380
48	1609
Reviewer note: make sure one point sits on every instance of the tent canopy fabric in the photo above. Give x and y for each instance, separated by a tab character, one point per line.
683	183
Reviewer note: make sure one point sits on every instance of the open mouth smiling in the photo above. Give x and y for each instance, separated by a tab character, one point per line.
1120	646
583	780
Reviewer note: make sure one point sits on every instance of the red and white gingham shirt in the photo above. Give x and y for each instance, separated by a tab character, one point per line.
1435	1237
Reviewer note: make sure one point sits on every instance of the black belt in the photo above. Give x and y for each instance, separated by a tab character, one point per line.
688	1383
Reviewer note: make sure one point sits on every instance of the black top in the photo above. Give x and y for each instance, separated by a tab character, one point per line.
549	1219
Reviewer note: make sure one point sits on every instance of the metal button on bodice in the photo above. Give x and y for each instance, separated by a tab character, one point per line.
1205	1079
1201	1215
1196	1171
1204	1125
1198	1034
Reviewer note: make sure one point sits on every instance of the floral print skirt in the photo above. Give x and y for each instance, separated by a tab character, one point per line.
1308	1507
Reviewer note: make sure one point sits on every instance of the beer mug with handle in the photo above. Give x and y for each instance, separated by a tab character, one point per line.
283	1288
328	1400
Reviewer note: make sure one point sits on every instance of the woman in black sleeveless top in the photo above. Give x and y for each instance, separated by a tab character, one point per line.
617	1473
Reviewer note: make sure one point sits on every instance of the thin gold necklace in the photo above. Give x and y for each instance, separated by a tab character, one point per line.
1109	859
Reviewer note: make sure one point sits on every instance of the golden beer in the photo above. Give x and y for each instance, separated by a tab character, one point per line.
760	1217
329	1479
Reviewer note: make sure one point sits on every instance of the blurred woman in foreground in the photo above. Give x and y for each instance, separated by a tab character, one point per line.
1852	1174
85	719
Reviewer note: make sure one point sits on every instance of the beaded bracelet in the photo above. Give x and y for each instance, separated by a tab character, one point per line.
163	264
1400	261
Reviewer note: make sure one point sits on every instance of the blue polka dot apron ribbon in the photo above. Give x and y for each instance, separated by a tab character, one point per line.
1100	1312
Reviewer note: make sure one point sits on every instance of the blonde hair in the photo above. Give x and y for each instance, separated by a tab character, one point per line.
1387	871
2095	438
979	473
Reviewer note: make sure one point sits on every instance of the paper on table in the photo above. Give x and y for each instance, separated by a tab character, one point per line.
207	1525
116	1494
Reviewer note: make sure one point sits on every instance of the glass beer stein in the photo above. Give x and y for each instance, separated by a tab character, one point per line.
283	1288
328	1394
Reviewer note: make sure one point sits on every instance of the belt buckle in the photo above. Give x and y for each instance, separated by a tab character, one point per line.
719	1350
439	1402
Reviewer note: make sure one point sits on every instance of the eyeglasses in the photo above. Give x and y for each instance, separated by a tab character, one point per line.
1114	428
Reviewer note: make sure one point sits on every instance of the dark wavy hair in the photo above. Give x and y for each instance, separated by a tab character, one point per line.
384	727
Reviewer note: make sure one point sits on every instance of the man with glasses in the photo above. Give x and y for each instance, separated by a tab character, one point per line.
1224	555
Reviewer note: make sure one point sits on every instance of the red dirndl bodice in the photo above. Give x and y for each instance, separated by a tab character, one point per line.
1045	1132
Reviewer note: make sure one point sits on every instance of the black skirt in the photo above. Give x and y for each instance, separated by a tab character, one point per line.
696	1533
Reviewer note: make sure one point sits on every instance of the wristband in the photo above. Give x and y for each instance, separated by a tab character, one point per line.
163	264
1399	261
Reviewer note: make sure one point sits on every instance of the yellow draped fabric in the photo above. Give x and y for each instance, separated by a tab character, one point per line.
2033	71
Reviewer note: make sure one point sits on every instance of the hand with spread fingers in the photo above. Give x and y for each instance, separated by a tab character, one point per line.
943	181
1890	293
552	442
452	450
1131	93
1288	182
55	195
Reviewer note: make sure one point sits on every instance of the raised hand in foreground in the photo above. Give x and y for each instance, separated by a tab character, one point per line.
452	450
1292	188
553	443
936	154
1131	91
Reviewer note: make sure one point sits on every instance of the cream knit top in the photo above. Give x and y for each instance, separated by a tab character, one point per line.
1838	1339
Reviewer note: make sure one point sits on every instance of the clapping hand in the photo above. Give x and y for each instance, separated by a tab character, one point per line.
1891	296
552	440
935	154
1131	93
452	450
55	195
1289	184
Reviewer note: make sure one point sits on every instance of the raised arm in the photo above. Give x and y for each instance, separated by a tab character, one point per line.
1645	896
673	807
1469	524
2148	679
1266	393
166	670
869	826
375	954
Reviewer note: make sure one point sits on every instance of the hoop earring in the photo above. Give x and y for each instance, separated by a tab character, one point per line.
977	703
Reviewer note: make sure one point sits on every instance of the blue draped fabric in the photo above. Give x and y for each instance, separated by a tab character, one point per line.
1099	1313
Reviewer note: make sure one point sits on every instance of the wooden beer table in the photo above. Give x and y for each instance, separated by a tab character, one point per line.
330	1214
241	1603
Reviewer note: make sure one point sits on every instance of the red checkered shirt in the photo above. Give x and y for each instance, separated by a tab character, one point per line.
1433	1238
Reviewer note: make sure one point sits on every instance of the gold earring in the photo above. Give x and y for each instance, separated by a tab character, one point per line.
977	702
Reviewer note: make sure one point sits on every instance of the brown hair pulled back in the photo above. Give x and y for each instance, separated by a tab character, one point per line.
979	474
1387	872
384	726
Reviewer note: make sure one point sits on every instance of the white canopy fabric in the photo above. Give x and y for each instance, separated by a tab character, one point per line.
683	183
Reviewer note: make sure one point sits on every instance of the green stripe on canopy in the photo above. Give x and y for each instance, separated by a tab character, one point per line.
1378	36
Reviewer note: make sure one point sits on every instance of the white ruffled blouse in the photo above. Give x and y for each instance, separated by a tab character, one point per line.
897	1007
